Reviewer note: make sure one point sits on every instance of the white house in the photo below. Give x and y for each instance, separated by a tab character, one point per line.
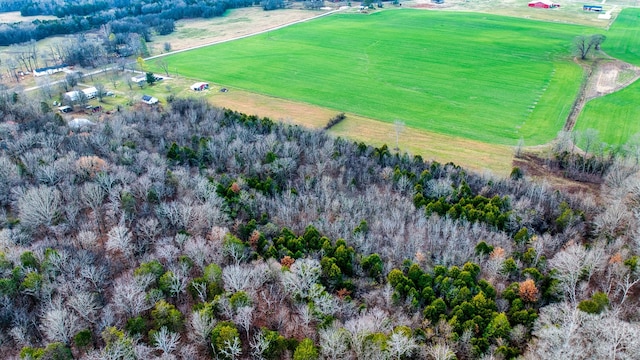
91	92
88	93
149	100
73	96
49	70
139	80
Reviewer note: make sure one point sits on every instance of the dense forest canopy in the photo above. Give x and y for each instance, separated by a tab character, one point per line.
198	232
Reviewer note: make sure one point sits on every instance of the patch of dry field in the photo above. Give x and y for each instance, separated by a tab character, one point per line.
14	16
470	154
236	22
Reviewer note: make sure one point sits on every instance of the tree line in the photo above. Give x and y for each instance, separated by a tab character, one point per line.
145	17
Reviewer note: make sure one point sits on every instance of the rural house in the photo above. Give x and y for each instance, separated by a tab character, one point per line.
149	100
543	4
49	70
139	80
89	93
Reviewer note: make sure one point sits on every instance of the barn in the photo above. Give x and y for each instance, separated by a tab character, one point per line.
199	86
543	4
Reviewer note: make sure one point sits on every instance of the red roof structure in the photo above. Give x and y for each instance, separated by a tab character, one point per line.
543	4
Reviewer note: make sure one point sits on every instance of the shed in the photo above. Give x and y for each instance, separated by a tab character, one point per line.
543	4
199	86
597	8
148	99
140	79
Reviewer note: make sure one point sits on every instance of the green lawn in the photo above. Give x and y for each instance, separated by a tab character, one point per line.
623	38
616	116
482	77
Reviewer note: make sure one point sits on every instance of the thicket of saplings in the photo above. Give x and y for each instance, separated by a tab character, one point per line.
198	232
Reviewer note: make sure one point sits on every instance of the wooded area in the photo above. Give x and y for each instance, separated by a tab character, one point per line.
198	232
118	17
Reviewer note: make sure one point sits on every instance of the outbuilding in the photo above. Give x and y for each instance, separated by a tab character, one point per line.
149	100
65	109
200	86
543	4
597	8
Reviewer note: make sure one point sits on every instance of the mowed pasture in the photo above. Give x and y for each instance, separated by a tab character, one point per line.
489	78
623	38
616	116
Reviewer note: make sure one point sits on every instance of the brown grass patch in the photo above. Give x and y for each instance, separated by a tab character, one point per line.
277	109
236	22
470	154
14	16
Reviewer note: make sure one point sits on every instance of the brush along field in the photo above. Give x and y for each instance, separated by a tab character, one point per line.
486	78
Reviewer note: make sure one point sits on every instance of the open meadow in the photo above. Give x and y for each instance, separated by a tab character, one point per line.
623	38
477	76
616	116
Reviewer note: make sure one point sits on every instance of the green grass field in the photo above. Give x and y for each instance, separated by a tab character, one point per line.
623	38
482	77
616	116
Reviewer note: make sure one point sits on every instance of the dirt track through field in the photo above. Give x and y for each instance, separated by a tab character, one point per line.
604	76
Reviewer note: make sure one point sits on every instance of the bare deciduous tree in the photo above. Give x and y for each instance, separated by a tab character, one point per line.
129	297
400	344
334	343
202	323
59	323
39	206
119	240
165	341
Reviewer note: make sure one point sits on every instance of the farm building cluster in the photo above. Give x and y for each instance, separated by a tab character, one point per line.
543	4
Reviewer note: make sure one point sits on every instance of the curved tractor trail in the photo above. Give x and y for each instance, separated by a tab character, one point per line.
601	79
